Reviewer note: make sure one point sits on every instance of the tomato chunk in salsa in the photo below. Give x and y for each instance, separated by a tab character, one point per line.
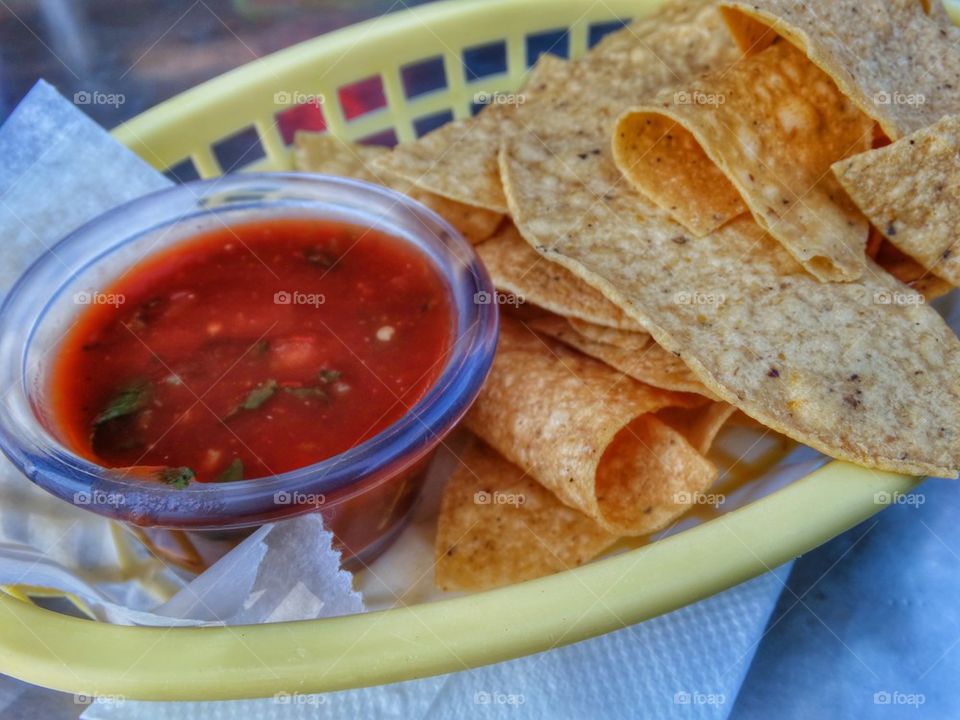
253	350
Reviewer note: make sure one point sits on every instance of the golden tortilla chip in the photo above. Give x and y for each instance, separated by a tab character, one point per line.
905	269
474	223
586	432
498	526
517	269
327	154
832	365
459	160
668	164
898	65
625	339
910	191
650	364
764	132
649	469
444	161
700	426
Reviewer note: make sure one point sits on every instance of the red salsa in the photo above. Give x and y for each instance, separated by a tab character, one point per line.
252	350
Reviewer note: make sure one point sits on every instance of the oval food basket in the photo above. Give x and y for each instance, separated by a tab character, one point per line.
249	108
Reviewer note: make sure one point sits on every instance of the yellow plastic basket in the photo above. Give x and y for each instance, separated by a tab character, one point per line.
82	656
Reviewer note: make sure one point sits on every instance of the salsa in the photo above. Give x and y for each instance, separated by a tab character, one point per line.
252	350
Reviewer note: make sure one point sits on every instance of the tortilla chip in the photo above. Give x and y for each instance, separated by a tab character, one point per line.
904	268
444	161
327	154
895	63
557	414
474	223
459	160
517	269
625	339
828	364
937	10
700	426
650	364
910	190
667	163
764	133
498	526
649	469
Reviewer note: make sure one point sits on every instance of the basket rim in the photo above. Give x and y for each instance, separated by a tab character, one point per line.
220	663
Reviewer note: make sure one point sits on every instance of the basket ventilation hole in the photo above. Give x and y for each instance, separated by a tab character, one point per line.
239	149
308	116
424	76
384	138
483	60
425	124
556	42
182	172
362	97
597	31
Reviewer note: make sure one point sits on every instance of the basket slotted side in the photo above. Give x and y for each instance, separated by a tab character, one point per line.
244	119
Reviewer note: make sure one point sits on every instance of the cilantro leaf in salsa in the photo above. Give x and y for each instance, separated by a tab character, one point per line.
233	472
145	315
178	477
320	257
305	393
259	395
126	401
256	397
329	376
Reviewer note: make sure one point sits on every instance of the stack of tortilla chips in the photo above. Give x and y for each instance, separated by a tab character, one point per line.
726	205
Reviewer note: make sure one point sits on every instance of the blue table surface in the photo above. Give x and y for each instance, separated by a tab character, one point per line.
868	625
